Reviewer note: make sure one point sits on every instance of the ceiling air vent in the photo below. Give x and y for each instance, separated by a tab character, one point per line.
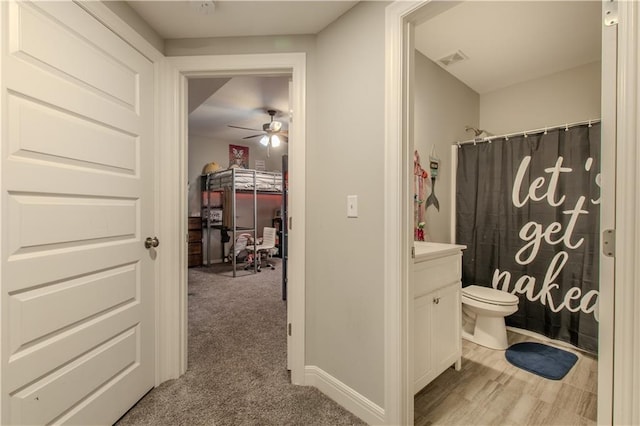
452	58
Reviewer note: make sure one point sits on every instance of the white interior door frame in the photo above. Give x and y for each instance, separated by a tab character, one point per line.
623	367
626	371
174	178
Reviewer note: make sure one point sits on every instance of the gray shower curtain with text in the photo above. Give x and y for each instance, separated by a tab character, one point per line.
527	208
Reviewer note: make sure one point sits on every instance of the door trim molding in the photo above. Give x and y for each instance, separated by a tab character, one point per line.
398	398
173	183
626	373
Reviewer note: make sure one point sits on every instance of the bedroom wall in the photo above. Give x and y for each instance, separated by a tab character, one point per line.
565	97
443	106
203	150
345	287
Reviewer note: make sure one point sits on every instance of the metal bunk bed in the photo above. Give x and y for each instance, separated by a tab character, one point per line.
236	180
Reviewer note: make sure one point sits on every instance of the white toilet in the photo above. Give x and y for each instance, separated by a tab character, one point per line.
483	312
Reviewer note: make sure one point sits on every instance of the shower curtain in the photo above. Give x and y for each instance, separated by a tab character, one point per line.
527	208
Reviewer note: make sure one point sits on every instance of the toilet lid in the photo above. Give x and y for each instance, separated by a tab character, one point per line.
489	295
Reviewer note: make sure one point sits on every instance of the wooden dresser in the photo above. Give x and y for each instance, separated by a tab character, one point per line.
195	241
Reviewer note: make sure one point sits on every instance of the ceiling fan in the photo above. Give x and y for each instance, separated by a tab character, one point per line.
272	133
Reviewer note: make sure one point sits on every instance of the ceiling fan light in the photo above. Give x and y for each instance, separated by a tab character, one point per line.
275	141
264	140
275	126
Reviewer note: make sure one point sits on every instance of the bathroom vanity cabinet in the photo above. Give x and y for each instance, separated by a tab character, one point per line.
437	310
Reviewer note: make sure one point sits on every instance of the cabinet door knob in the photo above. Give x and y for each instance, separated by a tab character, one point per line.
436	300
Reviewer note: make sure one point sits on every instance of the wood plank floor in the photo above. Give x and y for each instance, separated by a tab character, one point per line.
490	391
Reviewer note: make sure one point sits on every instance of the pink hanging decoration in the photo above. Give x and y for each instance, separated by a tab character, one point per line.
419	194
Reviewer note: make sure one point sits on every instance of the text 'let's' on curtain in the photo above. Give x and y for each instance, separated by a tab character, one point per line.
527	208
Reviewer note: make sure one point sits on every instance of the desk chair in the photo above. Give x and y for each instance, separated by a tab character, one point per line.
262	252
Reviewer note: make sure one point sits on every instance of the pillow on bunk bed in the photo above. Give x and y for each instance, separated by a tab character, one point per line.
210	168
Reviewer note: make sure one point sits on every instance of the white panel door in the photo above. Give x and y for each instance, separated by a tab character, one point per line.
77	293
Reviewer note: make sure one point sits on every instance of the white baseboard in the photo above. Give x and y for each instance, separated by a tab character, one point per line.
351	400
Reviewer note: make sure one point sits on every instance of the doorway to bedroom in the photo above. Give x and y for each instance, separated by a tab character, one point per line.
237	200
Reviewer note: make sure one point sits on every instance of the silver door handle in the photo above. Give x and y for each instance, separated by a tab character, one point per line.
151	242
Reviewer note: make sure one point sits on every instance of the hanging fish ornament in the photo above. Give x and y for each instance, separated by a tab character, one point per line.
434	165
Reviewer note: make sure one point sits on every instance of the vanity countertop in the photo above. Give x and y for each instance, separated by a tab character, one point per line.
428	250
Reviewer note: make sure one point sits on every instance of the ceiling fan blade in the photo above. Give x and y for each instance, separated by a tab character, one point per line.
254	136
243	128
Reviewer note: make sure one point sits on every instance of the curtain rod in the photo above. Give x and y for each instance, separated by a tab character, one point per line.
528	132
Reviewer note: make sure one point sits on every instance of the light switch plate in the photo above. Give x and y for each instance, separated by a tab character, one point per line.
352	206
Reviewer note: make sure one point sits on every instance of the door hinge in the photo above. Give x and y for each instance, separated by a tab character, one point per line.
289	329
610	13
290	222
413	252
609	242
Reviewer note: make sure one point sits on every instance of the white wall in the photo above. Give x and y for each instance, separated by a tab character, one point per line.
565	97
443	106
345	156
240	45
344	275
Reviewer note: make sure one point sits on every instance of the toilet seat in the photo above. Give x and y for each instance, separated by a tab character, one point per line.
489	295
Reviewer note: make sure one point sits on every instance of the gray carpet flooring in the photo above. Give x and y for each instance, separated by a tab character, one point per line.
237	361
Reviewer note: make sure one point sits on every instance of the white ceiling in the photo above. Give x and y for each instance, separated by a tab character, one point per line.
508	42
241	101
182	19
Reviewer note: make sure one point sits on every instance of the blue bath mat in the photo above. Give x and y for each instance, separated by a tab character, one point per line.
546	361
